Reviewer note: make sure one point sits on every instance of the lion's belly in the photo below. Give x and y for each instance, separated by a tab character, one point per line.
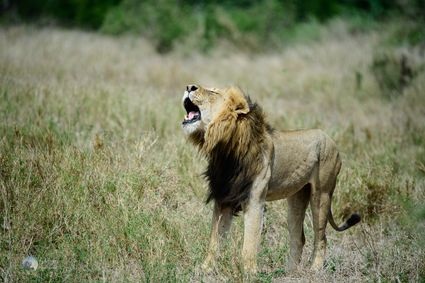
282	188
296	158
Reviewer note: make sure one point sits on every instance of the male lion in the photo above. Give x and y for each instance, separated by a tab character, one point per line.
249	163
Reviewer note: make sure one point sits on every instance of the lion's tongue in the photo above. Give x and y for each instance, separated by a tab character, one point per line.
191	115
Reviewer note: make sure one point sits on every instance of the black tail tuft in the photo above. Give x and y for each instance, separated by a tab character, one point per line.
353	220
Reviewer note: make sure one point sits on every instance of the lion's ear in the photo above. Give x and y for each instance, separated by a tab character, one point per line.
237	101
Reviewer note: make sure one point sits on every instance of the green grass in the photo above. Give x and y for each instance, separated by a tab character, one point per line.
98	183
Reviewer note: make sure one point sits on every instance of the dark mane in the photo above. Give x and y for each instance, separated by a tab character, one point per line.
233	166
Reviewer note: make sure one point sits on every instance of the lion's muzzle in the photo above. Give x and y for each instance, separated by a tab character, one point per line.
193	114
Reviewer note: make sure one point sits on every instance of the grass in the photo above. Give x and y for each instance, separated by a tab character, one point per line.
98	183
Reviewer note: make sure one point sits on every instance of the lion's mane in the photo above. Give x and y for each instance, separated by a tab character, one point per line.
233	144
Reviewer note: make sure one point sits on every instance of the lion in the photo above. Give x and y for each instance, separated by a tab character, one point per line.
250	163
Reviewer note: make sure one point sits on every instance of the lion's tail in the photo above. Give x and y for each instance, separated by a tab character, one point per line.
351	221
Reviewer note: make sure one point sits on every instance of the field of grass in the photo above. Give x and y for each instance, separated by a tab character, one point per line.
99	184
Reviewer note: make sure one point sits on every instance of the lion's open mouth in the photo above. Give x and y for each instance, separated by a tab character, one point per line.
193	112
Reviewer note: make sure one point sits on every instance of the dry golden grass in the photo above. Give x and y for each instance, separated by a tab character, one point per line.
98	183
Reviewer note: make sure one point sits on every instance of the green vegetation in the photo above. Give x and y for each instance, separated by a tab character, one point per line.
248	24
98	183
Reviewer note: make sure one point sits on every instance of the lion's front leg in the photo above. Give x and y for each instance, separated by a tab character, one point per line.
253	220
253	224
221	221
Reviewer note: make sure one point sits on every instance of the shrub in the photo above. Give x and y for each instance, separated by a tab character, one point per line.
85	13
162	21
392	72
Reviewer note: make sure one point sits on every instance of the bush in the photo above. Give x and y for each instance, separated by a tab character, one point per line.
252	25
162	21
392	72
85	13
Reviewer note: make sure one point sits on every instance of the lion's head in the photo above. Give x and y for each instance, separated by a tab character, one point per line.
232	133
212	114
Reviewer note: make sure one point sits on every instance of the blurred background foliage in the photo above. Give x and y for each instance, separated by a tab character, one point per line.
253	24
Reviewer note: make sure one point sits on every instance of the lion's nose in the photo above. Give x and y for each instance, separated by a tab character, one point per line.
190	88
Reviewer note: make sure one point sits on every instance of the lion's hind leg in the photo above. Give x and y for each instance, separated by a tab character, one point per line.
319	207
321	196
297	205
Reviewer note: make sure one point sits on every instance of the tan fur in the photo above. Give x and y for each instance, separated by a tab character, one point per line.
223	125
301	166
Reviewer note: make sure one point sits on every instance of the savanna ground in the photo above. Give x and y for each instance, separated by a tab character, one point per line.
99	184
